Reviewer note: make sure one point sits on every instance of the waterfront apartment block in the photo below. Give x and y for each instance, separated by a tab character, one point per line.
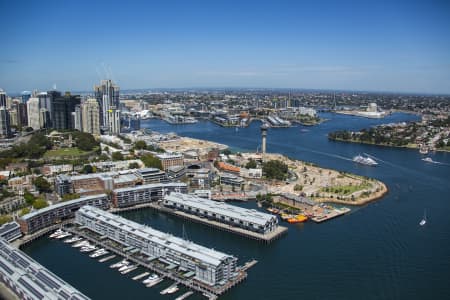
209	266
10	231
53	214
248	219
29	280
170	160
145	193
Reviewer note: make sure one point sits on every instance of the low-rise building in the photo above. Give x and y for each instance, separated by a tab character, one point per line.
170	159
248	219
50	170
53	214
210	267
231	179
152	175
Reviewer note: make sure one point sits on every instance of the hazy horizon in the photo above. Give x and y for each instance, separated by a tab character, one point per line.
375	46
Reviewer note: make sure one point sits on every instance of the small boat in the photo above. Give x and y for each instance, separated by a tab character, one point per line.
72	240
424	220
119	264
80	244
172	290
125	266
298	219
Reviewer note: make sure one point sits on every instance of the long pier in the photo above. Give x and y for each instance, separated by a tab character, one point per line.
266	238
210	292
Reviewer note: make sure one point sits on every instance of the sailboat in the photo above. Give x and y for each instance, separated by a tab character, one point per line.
424	220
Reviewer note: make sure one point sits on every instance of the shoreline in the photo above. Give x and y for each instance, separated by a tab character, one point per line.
358	202
324	176
409	146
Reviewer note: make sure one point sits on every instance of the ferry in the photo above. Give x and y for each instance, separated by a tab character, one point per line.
364	160
298	219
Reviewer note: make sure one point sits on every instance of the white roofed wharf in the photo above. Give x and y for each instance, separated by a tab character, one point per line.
96	219
220	208
29	280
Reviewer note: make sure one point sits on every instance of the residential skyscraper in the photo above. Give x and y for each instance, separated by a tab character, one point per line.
2	98
5	125
107	95
114	120
62	108
90	116
76	116
33	113
25	96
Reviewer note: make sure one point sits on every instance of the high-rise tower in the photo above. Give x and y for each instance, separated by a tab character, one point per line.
107	95
90	116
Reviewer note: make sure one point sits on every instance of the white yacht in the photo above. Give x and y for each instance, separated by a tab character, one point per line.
56	233
150	279
72	240
364	160
119	264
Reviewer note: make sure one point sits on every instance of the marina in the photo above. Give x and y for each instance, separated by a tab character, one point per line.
133	260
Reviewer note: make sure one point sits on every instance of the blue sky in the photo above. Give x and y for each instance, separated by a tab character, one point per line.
357	45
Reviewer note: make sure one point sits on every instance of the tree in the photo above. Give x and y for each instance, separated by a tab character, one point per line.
40	203
29	198
87	169
151	161
117	156
298	187
133	165
24	211
275	169
140	145
251	164
85	141
42	184
68	197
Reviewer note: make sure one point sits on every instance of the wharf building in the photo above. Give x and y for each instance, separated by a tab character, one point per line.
210	267
54	214
29	280
248	219
148	193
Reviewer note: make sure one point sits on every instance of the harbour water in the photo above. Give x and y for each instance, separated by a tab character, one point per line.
378	251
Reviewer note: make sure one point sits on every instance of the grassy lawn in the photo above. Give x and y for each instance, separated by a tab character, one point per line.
64	152
345	189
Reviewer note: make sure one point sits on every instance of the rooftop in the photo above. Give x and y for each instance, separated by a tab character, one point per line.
166	240
232	211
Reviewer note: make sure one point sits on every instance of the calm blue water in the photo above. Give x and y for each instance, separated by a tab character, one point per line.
377	252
